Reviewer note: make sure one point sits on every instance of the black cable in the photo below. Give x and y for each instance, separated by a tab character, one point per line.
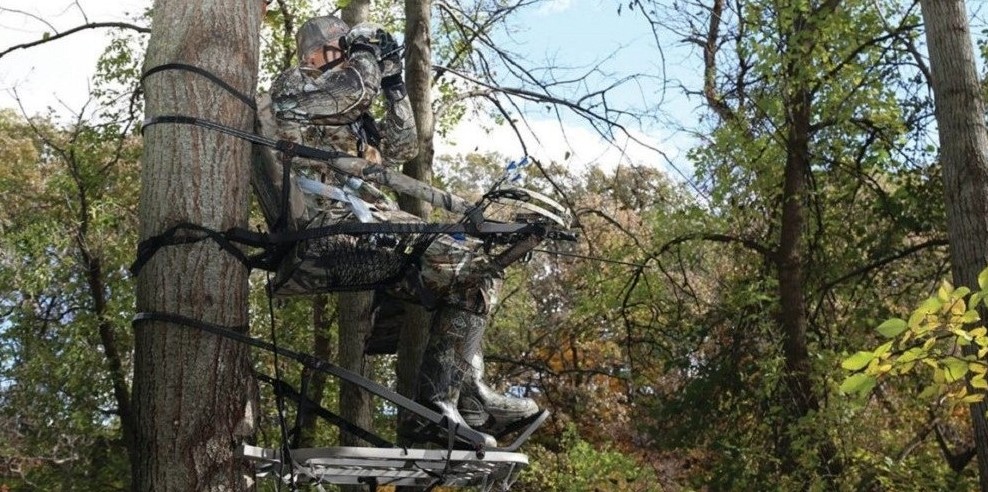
279	399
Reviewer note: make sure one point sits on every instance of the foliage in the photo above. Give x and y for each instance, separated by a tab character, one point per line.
579	466
663	366
931	342
68	233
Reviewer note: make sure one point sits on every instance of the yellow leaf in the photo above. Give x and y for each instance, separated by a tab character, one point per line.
883	349
957	308
973	398
970	316
943	293
906	367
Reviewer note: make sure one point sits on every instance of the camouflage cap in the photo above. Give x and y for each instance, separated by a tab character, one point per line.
318	32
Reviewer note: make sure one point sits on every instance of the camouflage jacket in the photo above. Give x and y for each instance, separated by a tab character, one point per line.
324	109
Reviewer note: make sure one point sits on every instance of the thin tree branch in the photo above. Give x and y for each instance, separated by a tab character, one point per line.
94	25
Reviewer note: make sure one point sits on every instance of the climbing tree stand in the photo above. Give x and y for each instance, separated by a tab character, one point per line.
459	457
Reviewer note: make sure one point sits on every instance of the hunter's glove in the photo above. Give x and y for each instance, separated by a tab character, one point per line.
363	37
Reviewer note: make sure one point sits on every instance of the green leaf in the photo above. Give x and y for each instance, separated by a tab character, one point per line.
960	293
943	293
929	306
858	383
930	391
973	301
979	382
954	369
857	361
911	355
883	349
970	317
983	279
916	318
893	327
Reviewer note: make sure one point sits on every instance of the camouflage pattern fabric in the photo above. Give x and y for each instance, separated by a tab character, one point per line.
322	110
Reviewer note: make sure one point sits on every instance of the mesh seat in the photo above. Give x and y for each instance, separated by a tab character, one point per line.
343	262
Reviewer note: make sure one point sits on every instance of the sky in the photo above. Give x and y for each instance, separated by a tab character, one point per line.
573	33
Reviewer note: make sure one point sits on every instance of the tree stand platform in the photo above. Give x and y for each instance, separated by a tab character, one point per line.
496	470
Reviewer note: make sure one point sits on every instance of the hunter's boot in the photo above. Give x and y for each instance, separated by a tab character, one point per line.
444	368
481	407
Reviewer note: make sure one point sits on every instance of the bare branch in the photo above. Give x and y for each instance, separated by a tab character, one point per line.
94	25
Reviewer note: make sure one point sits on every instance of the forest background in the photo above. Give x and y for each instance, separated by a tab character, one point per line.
786	198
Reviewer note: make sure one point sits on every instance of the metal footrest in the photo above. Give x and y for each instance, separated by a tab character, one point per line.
497	470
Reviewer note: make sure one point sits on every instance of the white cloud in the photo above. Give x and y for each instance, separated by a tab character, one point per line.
576	146
554	7
56	73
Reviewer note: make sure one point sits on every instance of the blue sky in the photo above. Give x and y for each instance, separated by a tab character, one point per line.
583	33
575	33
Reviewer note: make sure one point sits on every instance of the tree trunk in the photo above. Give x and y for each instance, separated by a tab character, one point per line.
322	348
114	360
418	80
792	257
960	114
356	404
194	393
792	300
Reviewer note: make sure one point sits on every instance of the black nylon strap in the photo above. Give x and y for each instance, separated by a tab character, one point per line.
463	433
286	390
249	101
148	247
281	145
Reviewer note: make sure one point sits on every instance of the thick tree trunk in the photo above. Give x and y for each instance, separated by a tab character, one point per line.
418	79
194	393
960	114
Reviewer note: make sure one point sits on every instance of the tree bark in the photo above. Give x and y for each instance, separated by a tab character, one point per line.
960	114
355	321
418	80
792	257
356	404
322	348
194	393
